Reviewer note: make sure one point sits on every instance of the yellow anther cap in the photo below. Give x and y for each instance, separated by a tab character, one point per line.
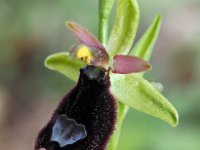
84	53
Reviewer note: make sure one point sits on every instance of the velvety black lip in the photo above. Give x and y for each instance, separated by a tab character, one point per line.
89	103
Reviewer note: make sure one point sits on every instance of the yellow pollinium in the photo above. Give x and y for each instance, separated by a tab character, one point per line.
84	53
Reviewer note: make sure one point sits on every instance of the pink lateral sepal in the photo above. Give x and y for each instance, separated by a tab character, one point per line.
124	64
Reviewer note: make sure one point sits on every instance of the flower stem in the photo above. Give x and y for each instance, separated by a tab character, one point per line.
122	111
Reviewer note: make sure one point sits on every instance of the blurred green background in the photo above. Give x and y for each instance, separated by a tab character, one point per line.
32	30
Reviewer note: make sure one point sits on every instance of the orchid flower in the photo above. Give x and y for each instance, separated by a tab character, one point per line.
124	65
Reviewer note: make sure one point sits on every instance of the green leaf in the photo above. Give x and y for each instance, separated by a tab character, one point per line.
136	92
105	7
64	64
124	28
145	45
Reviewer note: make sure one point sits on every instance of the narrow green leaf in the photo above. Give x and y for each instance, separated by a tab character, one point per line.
136	92
105	7
124	28
64	64
145	45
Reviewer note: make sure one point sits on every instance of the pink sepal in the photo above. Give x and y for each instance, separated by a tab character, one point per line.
124	64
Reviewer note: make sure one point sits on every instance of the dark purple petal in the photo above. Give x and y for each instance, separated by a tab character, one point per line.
91	105
124	64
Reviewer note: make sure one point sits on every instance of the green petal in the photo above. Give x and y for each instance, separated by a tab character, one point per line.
105	7
64	64
145	45
124	28
136	92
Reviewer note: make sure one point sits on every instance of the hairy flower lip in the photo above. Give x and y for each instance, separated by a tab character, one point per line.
89	103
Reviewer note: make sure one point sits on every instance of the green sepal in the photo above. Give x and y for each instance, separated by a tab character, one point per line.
63	63
136	92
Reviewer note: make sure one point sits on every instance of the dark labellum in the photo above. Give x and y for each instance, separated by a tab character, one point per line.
85	118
